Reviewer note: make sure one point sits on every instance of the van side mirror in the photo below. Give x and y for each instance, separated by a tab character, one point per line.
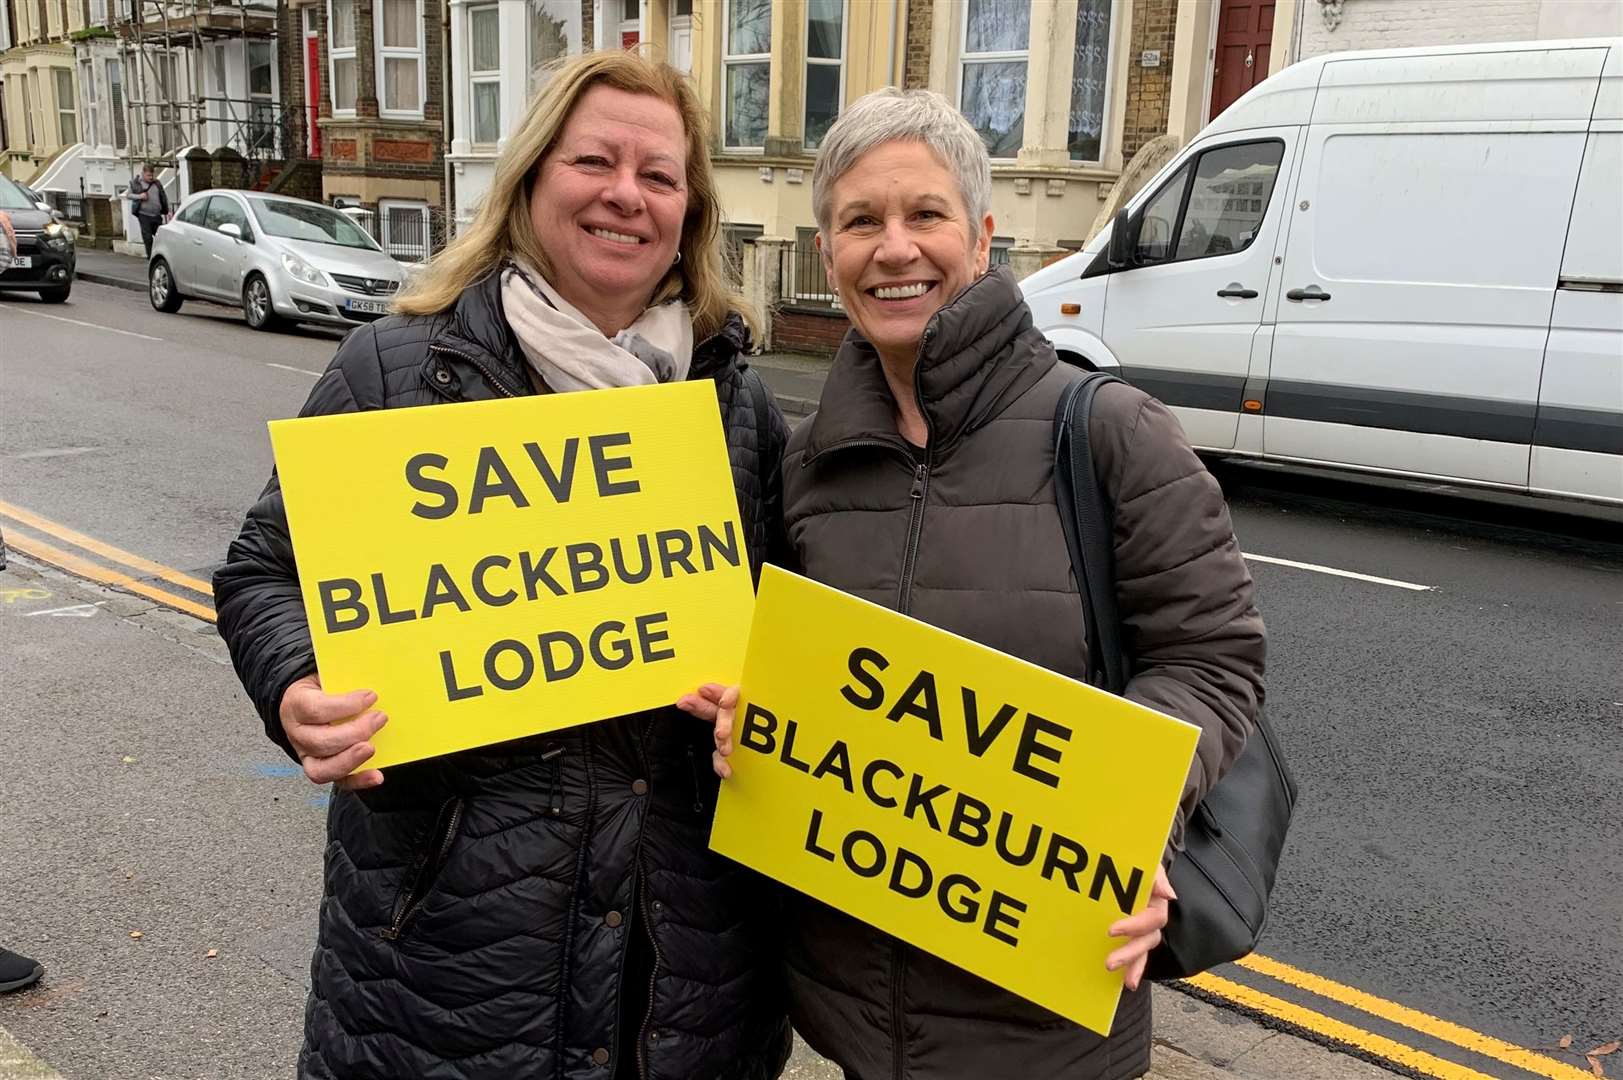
1120	252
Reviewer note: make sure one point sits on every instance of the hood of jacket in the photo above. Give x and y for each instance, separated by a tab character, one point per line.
965	374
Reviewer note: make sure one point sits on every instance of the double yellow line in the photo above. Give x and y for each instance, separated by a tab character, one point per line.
1247	997
1369	1043
21	525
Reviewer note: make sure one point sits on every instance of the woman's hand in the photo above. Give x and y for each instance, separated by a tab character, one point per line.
331	733
1145	931
715	704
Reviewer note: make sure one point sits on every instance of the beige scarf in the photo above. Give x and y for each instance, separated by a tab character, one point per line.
569	353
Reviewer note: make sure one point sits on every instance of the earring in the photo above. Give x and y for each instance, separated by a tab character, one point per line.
677	260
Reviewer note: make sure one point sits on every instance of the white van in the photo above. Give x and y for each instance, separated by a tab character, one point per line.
1407	262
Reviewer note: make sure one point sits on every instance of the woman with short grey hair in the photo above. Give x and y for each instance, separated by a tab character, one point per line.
925	483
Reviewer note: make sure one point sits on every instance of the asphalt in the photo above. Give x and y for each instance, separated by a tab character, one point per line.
1455	849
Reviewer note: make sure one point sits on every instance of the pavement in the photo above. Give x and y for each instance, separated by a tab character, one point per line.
111	268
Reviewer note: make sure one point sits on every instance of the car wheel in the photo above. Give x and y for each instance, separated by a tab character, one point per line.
56	296
161	289
256	305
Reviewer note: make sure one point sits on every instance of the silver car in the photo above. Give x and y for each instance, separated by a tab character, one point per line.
283	260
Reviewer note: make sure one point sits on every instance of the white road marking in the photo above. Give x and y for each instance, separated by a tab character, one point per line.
81	322
65	451
1317	569
82	611
301	371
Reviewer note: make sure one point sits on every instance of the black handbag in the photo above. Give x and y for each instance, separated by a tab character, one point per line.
1233	839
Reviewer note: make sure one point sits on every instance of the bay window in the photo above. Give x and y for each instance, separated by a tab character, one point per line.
992	65
67	111
399	33
825	51
341	55
1090	79
484	72
87	79
747	64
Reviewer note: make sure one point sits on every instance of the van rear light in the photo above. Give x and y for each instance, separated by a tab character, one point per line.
1070	309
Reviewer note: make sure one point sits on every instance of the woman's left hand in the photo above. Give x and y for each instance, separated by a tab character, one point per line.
1145	931
715	704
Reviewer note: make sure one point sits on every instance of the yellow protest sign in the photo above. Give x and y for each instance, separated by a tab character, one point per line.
501	568
979	807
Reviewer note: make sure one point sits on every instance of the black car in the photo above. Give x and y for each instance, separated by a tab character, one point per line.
45	247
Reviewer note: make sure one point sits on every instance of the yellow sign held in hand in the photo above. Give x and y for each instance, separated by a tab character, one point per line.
502	568
979	807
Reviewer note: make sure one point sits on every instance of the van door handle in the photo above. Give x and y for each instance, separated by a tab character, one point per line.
1312	292
1236	291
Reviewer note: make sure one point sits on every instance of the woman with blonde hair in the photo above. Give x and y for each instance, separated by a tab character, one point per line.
545	907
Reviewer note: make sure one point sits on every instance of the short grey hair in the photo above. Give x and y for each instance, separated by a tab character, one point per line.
892	115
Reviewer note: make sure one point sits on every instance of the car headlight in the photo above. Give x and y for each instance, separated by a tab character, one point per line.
302	270
57	236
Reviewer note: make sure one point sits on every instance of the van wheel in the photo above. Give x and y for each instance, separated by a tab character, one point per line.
1077	360
256	305
161	289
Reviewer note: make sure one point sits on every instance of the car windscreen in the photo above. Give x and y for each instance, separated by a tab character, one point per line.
306	221
13	197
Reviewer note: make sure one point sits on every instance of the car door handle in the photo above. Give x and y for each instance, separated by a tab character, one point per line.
1236	291
1312	292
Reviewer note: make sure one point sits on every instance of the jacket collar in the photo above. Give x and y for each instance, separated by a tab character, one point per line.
966	373
477	329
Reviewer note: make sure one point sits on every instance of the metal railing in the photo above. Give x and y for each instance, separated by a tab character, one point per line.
802	276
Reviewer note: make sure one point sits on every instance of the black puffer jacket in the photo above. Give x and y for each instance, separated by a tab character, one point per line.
482	910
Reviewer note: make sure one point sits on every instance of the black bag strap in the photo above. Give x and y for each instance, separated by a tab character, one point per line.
1088	521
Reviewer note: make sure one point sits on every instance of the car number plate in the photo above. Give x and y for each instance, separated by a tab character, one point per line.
375	307
23	262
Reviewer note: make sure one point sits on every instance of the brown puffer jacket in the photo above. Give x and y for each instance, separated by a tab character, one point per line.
967	537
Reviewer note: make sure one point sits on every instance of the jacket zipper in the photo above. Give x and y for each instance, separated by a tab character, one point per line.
915	529
555	793
425	875
490	376
904	601
647	917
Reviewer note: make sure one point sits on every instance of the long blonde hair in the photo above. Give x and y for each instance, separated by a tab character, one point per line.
502	227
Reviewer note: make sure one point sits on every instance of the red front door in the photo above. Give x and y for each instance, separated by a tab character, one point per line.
1244	30
312	92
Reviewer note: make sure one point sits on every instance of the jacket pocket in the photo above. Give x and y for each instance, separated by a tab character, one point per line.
423	872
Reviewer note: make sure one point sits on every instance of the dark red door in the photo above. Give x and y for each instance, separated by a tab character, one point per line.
1244	30
312	91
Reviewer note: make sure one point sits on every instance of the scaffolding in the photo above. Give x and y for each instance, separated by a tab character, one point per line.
165	47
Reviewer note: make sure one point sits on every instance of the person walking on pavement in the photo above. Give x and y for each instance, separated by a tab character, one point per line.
925	482
546	906
151	204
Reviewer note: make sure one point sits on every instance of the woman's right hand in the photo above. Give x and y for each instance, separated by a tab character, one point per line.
715	704
332	733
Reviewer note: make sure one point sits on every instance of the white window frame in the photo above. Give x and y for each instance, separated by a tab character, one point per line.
386	205
72	108
349	53
262	106
98	12
89	101
117	115
728	60
805	75
1107	135
418	53
967	58
485	76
